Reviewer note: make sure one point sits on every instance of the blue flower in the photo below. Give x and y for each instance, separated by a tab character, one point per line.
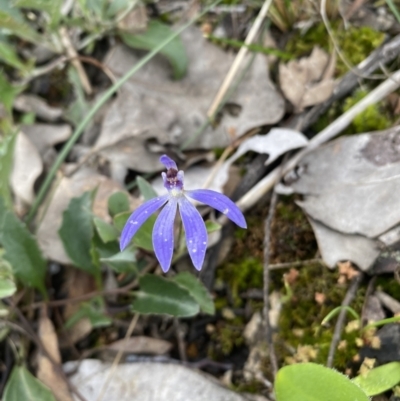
195	229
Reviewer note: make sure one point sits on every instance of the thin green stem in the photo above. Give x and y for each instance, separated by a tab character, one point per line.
80	128
394	9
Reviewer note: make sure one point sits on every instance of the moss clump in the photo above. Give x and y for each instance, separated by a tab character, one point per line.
227	336
300	321
243	274
373	118
388	285
355	43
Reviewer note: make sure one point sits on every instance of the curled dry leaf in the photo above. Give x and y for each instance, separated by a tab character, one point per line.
44	136
303	81
26	169
28	103
47	372
151	106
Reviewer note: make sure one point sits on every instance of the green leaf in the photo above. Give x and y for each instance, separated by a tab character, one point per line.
19	28
22	385
107	232
145	188
122	262
212	226
158	295
196	290
155	34
118	203
120	219
76	232
79	107
51	7
9	56
7	284
143	238
93	311
6	162
379	379
8	92
23	252
312	382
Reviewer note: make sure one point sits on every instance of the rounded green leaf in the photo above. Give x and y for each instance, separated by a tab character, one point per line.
118	202
312	382
147	191
197	291
158	295
106	231
379	379
22	385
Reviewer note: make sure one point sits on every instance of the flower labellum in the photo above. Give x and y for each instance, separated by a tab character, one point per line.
195	229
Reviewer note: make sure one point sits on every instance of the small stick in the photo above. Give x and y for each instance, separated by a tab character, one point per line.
239	59
267	241
298	263
350	295
118	357
71	52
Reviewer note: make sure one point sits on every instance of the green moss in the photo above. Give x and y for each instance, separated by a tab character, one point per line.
373	118
227	336
356	44
242	275
388	285
300	321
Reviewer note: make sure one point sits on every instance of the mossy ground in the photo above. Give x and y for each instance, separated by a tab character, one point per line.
300	335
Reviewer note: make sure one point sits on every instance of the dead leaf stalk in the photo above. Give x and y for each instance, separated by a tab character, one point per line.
349	297
238	60
117	357
266	277
72	53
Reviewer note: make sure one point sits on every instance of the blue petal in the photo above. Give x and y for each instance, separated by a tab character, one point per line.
195	231
138	217
219	202
163	235
168	162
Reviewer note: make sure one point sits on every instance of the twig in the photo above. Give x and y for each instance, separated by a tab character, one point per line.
180	340
350	295
118	357
239	59
299	263
337	126
71	52
84	297
368	293
267	241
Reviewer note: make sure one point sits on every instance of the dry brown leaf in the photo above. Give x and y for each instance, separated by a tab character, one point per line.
46	372
26	169
142	345
76	284
151	106
29	103
303	81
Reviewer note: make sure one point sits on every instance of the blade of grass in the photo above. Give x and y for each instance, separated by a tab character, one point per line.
394	9
79	129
